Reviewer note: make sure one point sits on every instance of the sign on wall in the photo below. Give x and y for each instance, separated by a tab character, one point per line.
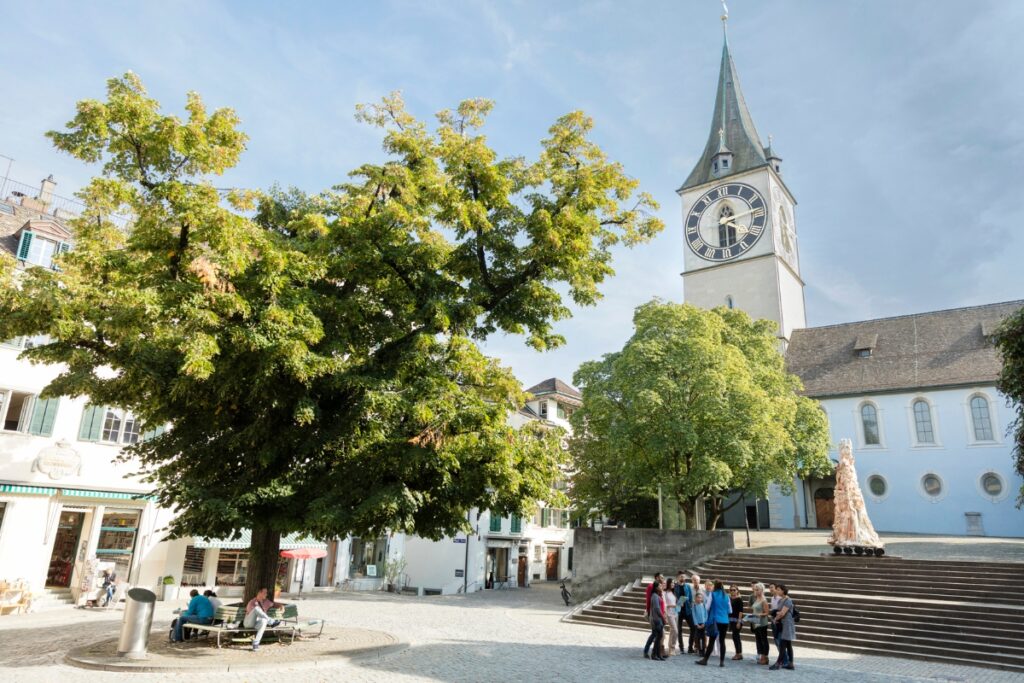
58	461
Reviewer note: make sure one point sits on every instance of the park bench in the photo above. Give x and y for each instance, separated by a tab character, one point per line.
228	620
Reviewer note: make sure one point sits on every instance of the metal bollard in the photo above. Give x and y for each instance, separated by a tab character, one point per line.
138	620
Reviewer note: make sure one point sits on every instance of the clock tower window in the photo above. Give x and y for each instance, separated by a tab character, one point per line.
726	232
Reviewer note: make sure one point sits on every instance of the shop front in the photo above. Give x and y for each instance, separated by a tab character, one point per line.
61	540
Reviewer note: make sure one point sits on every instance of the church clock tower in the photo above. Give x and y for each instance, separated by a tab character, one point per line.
738	222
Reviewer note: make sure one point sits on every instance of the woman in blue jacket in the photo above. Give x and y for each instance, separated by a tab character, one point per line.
719	616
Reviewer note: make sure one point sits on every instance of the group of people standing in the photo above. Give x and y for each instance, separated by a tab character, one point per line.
711	614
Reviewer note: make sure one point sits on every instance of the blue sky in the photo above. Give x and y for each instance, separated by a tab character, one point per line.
900	122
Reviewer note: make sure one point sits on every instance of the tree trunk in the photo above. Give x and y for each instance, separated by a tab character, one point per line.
263	561
689	507
716	513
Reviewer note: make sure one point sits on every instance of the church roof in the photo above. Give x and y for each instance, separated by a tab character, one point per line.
905	353
732	117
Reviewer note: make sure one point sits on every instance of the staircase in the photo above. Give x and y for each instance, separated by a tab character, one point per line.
52	598
967	613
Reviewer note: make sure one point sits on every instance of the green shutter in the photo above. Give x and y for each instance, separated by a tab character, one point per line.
545	517
153	433
63	247
44	412
24	244
495	522
92	421
517	524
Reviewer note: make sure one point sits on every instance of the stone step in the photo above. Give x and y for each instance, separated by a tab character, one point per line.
875	564
875	606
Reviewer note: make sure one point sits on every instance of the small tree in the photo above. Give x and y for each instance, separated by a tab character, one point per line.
316	355
698	402
1009	340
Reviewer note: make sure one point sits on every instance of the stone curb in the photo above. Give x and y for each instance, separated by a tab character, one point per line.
140	666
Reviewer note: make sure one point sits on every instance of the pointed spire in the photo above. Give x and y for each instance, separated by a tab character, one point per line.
732	118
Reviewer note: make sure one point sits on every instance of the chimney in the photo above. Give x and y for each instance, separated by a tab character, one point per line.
46	191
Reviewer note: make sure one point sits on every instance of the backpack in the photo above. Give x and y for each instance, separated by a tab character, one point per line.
796	614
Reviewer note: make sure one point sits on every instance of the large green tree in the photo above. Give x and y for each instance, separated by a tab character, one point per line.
697	402
1009	340
315	355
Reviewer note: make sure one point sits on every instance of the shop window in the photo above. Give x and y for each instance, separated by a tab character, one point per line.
367	557
232	567
117	540
193	572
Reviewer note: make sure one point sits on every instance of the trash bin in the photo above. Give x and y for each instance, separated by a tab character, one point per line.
138	620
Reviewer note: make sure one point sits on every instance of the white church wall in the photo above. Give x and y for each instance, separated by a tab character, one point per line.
956	458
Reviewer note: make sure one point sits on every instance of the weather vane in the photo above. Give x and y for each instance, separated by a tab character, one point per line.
725	11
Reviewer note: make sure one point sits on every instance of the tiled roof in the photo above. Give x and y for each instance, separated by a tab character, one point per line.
935	349
555	386
13	218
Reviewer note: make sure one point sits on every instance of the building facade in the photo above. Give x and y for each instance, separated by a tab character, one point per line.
915	393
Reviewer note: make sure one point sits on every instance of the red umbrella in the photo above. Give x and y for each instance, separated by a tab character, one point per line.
304	554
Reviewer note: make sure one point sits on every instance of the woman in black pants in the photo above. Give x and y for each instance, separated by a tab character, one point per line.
736	620
718	620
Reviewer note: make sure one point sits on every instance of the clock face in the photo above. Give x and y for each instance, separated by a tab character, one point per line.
726	222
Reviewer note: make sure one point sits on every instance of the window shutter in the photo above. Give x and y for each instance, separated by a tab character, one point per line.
153	433
25	244
92	421
44	412
63	247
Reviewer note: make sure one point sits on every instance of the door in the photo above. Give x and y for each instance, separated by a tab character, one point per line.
521	571
552	565
824	507
65	546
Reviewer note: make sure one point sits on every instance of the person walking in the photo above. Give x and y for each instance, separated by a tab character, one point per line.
736	620
786	629
718	624
647	611
759	611
700	622
657	620
672	617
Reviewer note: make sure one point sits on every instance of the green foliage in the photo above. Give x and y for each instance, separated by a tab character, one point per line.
315	354
698	402
1009	339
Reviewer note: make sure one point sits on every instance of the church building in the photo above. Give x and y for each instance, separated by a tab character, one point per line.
916	393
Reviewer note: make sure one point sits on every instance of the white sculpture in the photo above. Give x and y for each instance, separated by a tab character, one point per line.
851	528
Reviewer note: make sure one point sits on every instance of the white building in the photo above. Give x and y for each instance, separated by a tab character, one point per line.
500	552
68	507
916	393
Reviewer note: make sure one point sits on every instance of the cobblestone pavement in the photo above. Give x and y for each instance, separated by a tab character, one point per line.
493	636
907	546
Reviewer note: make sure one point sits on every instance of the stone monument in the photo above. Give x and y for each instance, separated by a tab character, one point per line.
852	531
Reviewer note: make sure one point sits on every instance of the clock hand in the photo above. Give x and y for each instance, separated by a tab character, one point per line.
725	219
739	228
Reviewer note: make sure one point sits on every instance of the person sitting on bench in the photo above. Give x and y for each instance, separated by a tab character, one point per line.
200	611
256	616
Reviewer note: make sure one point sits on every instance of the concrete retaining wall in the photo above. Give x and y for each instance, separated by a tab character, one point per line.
611	557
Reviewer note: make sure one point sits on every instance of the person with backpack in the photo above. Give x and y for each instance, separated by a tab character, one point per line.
785	621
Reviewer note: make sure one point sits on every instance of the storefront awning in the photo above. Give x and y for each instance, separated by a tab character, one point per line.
118	495
19	488
289	542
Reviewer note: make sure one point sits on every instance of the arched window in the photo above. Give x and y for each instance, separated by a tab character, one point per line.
981	419
726	232
923	421
869	420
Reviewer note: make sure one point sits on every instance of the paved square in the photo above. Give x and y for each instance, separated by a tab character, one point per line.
493	636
